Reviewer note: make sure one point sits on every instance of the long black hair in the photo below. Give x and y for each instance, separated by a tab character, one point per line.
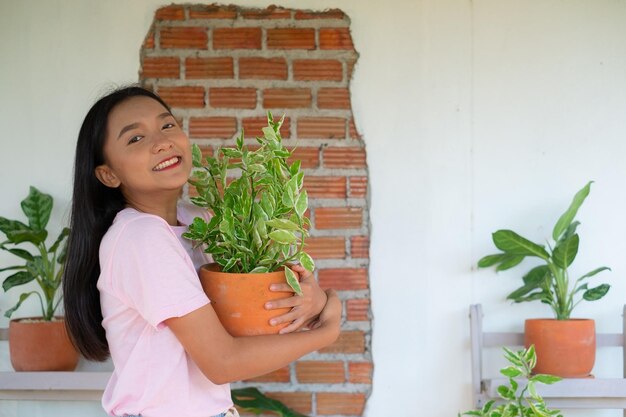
94	207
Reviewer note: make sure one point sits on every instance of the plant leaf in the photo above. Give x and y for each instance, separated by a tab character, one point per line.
545	379
64	233
302	203
23	298
566	218
21	253
37	207
565	252
282	224
510	372
293	281
596	293
282	236
306	261
19	278
251	399
594	272
490	260
7	225
510	242
27	235
537	276
196	156
509	261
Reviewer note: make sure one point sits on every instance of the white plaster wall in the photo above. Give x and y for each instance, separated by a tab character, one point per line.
477	115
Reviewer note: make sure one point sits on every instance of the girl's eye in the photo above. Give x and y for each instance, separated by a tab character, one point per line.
134	139
168	125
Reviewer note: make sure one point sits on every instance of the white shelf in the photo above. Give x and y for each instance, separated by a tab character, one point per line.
587	393
76	386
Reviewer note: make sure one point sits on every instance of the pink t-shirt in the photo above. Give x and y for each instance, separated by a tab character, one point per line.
149	274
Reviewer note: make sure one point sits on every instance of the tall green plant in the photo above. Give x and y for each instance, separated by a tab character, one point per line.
45	266
519	400
549	282
258	222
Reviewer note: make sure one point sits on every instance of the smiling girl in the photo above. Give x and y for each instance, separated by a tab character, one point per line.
131	288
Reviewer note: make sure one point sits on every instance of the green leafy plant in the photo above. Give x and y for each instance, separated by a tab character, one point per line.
519	399
258	222
253	400
45	266
549	282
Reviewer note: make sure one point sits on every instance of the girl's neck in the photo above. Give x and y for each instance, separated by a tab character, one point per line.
164	208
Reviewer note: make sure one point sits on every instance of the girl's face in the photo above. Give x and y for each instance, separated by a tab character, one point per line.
145	150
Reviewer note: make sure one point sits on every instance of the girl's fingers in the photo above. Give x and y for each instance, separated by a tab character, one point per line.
283	303
289	317
292	327
282	287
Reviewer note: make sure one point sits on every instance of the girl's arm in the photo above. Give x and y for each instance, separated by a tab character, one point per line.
224	358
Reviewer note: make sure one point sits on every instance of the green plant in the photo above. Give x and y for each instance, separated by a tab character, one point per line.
253	400
258	223
519	399
45	266
549	282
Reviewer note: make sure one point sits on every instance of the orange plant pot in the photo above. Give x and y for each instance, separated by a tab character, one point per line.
565	348
38	345
239	299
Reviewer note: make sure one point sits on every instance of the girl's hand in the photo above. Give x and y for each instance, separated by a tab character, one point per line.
305	308
330	317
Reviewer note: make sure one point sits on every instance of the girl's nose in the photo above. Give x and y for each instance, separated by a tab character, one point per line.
161	143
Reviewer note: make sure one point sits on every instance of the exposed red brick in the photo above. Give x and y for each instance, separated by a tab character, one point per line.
263	68
360	372
280	375
333	98
287	98
330	403
160	67
338	218
344	158
328	14
348	342
325	187
358	187
237	38
357	310
234	98
317	70
252	127
321	127
272	12
359	247
184	37
291	38
186	97
206	68
171	12
354	134
320	372
213	12
335	38
148	42
298	401
309	157
343	278
212	127
332	247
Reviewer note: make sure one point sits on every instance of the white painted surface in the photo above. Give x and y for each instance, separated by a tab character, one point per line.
477	116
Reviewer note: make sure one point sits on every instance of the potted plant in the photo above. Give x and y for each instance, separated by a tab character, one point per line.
256	230
519	400
37	343
565	346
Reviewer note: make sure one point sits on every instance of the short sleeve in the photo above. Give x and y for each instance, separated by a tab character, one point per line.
153	274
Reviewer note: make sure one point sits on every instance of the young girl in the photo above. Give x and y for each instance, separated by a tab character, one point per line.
131	288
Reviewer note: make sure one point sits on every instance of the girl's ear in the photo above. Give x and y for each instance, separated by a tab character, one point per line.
106	176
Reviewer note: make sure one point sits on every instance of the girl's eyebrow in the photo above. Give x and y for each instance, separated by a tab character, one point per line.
136	125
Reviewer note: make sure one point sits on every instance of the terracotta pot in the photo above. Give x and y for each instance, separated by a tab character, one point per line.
38	345
239	299
565	348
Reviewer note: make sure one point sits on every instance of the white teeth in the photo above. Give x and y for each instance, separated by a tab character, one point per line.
165	164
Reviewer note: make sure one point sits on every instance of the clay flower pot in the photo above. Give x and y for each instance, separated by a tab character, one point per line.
565	348
239	299
39	345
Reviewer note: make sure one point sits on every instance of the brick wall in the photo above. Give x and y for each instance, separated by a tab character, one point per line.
221	68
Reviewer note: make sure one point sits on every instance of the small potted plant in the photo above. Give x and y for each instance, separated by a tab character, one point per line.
257	227
565	346
37	343
519	400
